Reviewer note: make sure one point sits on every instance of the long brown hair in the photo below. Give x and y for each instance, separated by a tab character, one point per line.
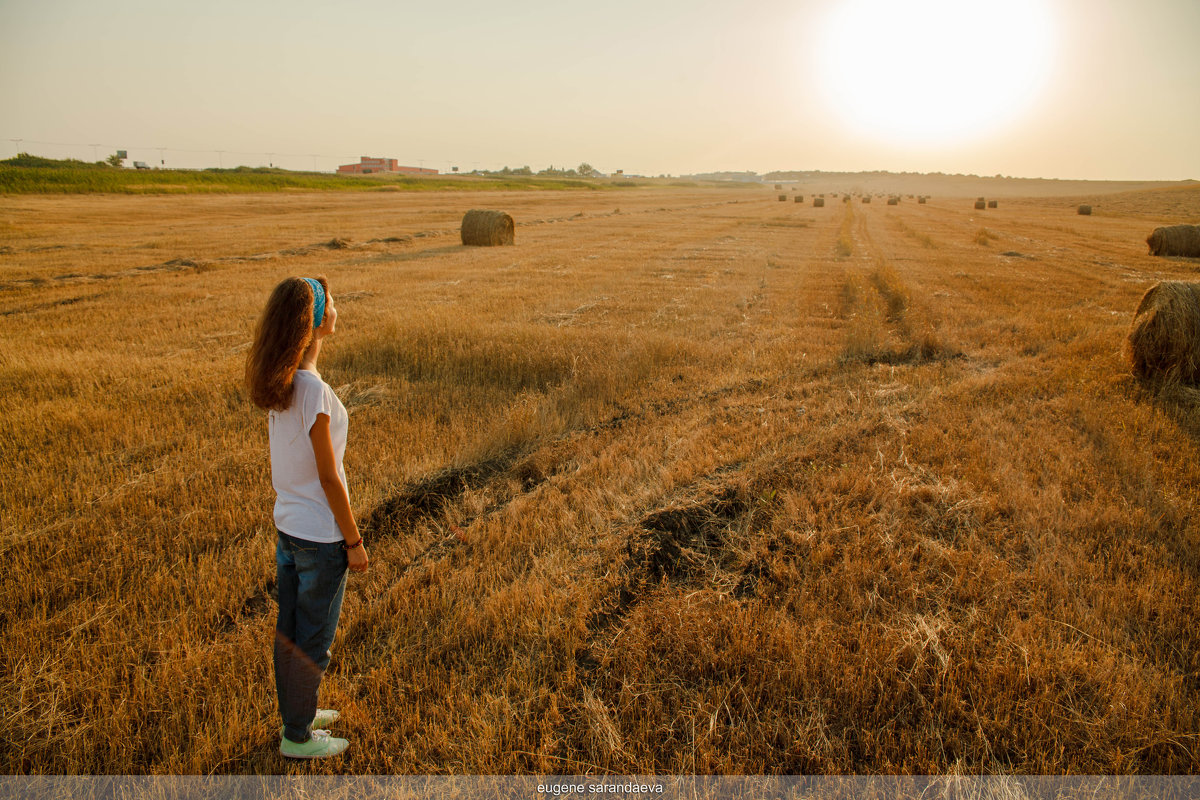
283	333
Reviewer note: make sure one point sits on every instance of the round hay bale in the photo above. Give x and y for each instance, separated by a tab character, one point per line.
1175	240
846	198
922	200
992	203
778	186
799	198
866	198
981	199
1164	340
1085	210
487	228
980	204
893	201
783	198
818	202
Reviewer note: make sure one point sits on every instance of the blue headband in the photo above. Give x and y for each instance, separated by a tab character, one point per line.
318	301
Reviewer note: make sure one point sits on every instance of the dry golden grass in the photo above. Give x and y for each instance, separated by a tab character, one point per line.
674	489
984	237
845	242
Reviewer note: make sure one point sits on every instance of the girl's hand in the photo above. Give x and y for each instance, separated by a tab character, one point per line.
358	558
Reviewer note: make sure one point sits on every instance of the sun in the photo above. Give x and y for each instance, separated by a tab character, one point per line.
933	71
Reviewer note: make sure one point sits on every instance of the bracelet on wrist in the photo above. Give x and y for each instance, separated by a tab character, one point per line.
352	546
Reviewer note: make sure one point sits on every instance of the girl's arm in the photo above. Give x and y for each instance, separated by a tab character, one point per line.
335	491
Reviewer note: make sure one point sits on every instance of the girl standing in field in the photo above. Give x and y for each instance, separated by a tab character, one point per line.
318	537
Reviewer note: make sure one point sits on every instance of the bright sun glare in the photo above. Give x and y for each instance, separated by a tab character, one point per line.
934	71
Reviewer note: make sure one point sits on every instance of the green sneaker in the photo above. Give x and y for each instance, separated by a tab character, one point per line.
321	745
324	718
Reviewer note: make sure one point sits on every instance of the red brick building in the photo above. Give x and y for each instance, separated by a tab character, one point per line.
368	166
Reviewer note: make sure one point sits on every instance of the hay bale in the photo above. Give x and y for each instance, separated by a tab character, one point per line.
893	201
1164	340
1175	240
980	199
992	203
818	202
799	198
778	186
922	200
846	198
783	198
866	198
1085	210
487	228
980	204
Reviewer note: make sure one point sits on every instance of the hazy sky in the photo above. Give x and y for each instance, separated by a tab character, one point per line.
1106	89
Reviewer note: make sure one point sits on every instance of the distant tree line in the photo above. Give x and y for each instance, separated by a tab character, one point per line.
584	170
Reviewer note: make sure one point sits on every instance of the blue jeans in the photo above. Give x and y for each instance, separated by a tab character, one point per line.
312	581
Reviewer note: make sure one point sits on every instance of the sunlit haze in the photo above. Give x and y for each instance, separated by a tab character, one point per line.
1032	88
934	72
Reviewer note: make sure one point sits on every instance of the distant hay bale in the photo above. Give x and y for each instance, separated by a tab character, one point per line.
981	199
1085	210
783	198
980	204
992	203
799	198
922	200
778	186
1175	240
866	198
818	202
892	201
487	228
1164	340
846	198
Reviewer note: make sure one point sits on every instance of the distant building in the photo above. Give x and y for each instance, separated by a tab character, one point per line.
367	166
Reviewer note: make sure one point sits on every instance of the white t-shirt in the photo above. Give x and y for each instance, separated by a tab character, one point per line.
301	509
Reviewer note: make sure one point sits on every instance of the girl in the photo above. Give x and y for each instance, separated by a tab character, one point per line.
318	537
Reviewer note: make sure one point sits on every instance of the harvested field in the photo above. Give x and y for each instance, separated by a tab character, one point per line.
704	486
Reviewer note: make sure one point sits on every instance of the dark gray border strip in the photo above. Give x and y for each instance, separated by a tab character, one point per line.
520	787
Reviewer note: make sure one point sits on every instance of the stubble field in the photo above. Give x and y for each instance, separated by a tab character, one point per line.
687	481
